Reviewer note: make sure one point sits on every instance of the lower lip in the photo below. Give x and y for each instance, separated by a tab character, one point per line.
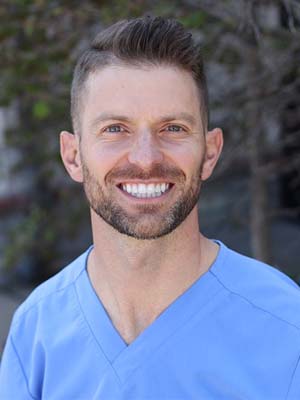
146	199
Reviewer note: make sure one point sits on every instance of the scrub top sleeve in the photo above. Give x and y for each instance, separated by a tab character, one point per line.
13	383
294	390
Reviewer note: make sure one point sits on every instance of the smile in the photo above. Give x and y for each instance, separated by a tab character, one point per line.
142	190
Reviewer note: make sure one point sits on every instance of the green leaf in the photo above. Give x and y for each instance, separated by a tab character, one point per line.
194	20
40	110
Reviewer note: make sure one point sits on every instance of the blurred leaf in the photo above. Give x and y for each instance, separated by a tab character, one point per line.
196	19
40	110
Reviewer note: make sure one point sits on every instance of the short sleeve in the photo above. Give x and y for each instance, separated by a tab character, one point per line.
294	390
13	383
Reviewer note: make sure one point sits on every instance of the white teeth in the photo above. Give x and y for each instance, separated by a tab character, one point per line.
143	190
150	188
134	188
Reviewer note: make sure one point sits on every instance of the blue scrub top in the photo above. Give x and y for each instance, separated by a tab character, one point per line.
233	334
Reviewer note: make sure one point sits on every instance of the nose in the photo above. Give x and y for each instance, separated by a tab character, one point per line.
145	150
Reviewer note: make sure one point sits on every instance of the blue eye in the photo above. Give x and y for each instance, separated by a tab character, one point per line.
175	128
114	129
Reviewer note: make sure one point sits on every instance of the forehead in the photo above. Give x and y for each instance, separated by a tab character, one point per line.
140	92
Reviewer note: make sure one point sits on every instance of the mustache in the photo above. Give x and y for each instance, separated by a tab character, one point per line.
157	171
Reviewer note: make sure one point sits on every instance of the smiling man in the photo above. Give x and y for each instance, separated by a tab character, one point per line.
153	309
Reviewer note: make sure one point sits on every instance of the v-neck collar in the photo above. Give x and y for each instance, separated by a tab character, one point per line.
126	358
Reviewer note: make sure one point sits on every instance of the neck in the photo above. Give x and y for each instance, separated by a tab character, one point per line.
137	279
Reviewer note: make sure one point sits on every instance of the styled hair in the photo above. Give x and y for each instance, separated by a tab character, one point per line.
141	41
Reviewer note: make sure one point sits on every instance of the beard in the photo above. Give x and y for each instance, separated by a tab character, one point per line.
148	221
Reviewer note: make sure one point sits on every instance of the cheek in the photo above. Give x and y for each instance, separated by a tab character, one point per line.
187	156
102	158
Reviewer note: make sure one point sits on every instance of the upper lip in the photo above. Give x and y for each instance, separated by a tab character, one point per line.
145	182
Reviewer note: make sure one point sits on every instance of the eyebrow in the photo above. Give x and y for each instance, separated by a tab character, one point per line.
117	117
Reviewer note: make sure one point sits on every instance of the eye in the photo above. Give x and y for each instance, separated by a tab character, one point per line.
175	128
114	129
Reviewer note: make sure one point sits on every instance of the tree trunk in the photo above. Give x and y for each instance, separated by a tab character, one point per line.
259	222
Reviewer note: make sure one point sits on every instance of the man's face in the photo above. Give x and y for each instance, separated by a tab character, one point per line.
142	148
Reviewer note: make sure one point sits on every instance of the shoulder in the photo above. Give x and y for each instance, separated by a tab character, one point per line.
56	287
261	285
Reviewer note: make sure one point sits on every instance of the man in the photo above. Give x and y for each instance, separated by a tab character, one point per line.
153	309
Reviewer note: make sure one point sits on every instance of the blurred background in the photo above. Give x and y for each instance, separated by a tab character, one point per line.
252	203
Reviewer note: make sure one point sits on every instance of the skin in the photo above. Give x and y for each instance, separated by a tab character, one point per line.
138	275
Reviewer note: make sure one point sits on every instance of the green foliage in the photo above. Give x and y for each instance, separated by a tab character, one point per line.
40	109
28	234
194	20
121	9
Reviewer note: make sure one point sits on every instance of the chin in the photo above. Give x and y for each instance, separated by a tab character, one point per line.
146	231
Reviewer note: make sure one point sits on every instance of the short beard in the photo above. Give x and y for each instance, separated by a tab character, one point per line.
143	225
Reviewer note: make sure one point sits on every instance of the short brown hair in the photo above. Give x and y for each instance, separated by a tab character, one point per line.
140	41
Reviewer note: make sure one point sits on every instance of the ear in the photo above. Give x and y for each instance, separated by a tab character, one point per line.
214	145
70	154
